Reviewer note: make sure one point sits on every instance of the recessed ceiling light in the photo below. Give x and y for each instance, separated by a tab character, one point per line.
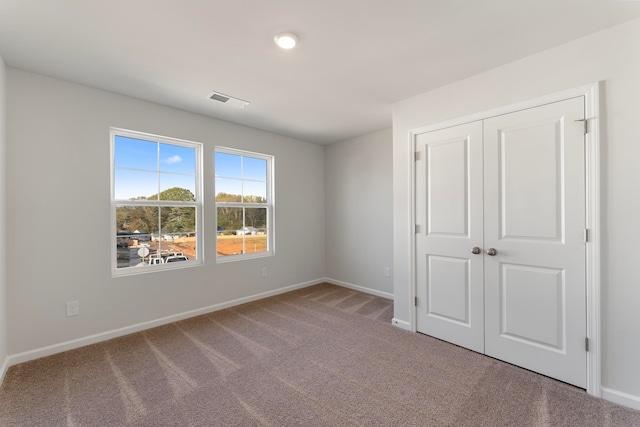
286	40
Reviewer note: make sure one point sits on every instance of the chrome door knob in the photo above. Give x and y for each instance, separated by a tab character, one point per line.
491	252
475	250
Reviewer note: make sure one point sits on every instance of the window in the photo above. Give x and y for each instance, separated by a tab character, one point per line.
244	204
156	202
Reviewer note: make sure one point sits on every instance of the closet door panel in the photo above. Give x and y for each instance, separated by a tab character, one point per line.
449	218
534	205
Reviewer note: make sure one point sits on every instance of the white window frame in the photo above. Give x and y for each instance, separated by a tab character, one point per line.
270	205
197	204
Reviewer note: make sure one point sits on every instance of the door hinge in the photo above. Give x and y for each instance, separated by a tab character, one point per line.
585	126
416	228
416	156
586	235
415	301
586	344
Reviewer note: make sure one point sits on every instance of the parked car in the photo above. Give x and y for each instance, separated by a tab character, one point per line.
170	252
122	244
176	258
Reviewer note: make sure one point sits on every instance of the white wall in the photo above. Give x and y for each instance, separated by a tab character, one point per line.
3	278
611	56
59	221
358	185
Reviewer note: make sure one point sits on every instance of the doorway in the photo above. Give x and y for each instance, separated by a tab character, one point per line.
501	237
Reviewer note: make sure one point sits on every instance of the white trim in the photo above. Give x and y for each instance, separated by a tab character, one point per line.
592	189
3	369
26	356
370	291
592	173
269	205
242	257
198	204
402	324
413	292
585	90
621	398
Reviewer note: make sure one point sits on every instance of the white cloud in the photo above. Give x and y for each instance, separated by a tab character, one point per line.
173	159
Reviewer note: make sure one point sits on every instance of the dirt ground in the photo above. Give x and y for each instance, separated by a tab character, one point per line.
187	245
227	245
232	245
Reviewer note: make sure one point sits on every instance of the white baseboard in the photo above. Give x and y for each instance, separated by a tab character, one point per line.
621	398
611	395
359	288
26	356
402	324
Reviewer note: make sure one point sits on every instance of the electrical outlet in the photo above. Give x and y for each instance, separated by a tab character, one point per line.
387	272
264	272
73	308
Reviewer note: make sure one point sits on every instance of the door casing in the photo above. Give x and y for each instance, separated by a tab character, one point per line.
592	186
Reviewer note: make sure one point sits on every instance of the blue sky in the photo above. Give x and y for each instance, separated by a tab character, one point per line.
241	175
145	168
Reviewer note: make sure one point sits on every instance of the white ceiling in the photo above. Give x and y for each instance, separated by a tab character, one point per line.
354	60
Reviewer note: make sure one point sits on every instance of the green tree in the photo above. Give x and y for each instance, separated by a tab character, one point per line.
176	194
256	217
229	218
232	218
141	218
178	220
225	197
170	219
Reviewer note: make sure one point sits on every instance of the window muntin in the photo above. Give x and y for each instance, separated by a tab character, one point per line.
156	202
244	204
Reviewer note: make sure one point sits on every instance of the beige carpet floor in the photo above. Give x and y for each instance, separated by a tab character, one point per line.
323	355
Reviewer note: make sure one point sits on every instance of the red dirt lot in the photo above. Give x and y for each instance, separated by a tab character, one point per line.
232	245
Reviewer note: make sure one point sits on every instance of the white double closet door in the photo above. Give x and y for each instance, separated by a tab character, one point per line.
500	246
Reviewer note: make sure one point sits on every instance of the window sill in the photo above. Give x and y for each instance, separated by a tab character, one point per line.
233	258
134	271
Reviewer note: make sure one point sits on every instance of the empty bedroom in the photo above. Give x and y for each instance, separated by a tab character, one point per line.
285	213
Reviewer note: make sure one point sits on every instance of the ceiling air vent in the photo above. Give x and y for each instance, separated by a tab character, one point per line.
228	100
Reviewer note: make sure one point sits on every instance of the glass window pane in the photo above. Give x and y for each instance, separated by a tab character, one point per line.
178	233
157	172
175	158
177	220
229	219
130	184
256	243
242	230
228	190
255	192
135	153
255	169
255	219
180	188
137	219
229	244
230	239
228	165
136	226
